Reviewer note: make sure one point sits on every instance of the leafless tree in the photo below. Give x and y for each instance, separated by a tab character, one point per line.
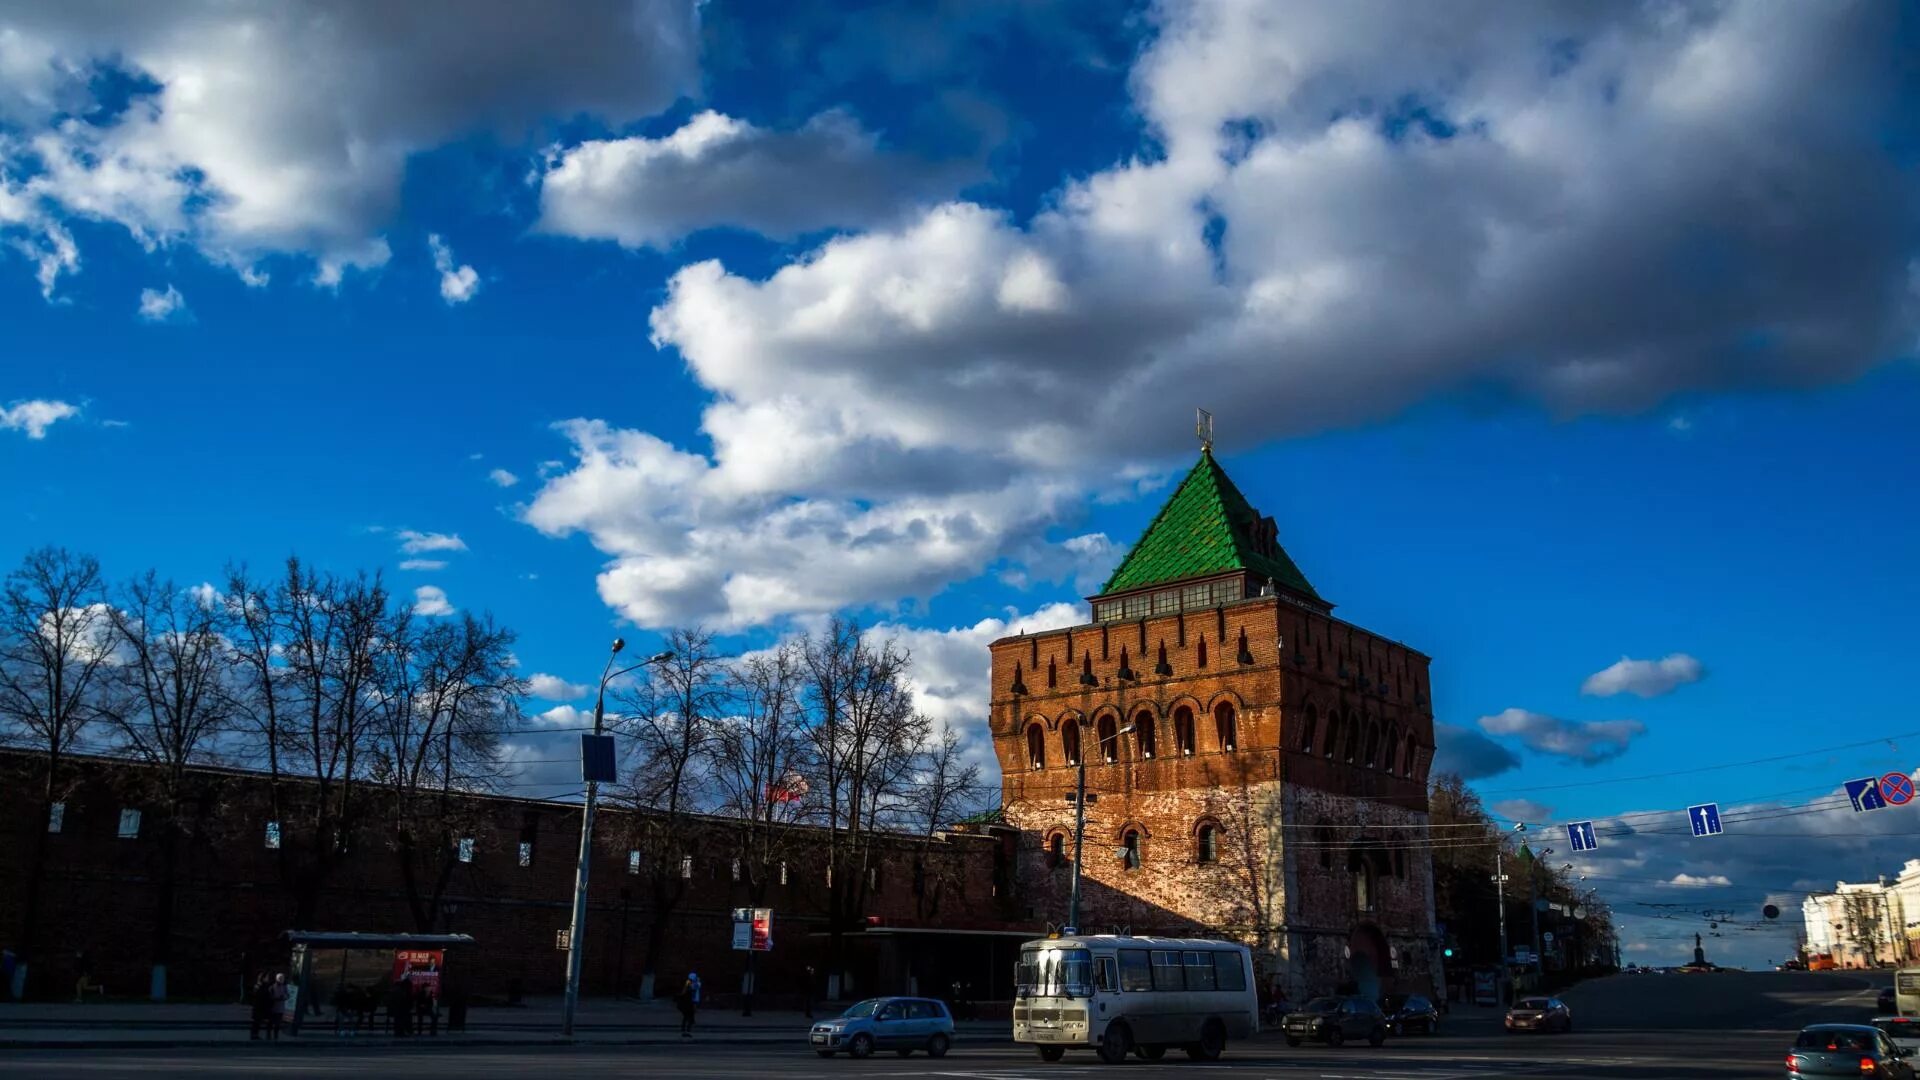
55	642
670	716
446	694
167	708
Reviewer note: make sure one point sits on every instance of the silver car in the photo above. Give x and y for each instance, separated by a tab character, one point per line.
899	1024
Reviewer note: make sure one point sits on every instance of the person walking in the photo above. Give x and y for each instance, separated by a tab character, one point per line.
276	1005
688	999
260	1002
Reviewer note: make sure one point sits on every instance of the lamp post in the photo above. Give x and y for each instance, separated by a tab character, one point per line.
1080	820
577	929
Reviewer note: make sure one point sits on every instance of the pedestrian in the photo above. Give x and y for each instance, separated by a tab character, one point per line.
400	1008
426	1016
689	1002
259	1002
84	964
276	1005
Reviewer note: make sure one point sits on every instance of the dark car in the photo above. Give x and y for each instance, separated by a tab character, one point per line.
1410	1012
1885	1005
1539	1014
1334	1020
1846	1050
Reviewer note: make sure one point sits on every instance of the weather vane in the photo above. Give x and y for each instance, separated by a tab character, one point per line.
1203	427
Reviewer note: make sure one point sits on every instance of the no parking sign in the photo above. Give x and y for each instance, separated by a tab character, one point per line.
1896	788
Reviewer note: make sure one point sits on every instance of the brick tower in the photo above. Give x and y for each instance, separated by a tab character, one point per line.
1258	767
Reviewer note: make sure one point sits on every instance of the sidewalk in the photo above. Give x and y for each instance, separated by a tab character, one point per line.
127	1025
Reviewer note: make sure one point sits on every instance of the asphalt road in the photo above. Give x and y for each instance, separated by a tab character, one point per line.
1706	1027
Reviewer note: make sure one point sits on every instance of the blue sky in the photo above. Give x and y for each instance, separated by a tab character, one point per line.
1551	337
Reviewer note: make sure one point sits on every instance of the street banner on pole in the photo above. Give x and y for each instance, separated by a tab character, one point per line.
753	929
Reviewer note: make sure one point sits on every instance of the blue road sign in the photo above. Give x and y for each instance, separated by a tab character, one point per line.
1705	819
1897	788
1580	836
1865	795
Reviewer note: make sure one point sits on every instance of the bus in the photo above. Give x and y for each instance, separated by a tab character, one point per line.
1120	996
1906	992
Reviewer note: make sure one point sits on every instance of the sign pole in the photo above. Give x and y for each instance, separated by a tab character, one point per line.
1500	894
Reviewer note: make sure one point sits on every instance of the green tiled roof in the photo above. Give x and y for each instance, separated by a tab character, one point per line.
1207	527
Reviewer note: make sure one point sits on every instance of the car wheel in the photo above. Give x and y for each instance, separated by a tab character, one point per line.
1115	1044
1377	1036
861	1046
1335	1036
1050	1053
1293	1040
937	1046
1151	1053
1213	1039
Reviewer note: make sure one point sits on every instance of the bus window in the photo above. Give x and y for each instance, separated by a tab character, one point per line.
1106	978
1199	971
1136	971
1230	973
1166	971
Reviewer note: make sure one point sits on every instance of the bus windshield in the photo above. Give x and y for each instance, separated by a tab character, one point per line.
1906	991
1054	973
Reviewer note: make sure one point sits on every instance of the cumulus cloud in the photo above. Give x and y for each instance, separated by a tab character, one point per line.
287	128
554	688
1468	753
1344	209
1588	742
413	542
457	283
503	478
159	306
720	171
1645	678
423	564
431	600
35	416
1523	810
1695	881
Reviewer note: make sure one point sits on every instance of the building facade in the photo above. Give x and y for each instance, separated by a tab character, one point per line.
1254	766
1866	924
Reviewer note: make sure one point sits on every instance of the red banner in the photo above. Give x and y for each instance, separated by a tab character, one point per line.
418	968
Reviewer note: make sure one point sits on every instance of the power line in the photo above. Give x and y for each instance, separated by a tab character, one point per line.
1798	755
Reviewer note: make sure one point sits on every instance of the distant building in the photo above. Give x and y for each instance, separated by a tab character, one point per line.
1260	766
1866	924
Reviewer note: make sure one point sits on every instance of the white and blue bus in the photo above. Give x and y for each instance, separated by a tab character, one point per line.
1142	996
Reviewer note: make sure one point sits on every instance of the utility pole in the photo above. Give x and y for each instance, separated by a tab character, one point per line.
1500	892
1079	830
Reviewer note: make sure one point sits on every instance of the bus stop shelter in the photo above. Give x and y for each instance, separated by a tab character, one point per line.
325	961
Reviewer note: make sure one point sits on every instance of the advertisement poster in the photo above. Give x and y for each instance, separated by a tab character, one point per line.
753	929
418	968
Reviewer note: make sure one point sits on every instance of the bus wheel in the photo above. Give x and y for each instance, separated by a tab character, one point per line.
1116	1044
1151	1053
1213	1039
1050	1053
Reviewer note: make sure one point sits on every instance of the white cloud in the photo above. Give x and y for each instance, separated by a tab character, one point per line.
413	543
457	283
35	416
503	478
207	595
1588	742
719	171
158	306
1690	880
1645	678
431	600
564	716
554	688
286	129
423	564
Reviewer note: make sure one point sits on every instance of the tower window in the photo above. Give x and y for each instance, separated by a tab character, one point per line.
1143	733
1201	655
1183	730
1130	849
1056	849
1207	843
1109	739
1225	727
1036	747
1371	753
1070	739
1332	741
1309	719
1053	675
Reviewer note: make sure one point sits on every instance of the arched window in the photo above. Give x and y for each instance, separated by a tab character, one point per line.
1130	849
1225	729
1056	849
1143	732
1109	739
1206	843
1363	886
1183	730
1370	753
1202	654
1036	747
1406	753
1070	739
1352	747
1309	719
1332	741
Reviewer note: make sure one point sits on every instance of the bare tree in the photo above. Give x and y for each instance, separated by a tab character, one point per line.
446	695
167	708
55	642
671	716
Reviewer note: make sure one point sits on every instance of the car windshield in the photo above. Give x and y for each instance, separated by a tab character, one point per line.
1393	1001
1836	1039
1323	1005
865	1008
1531	1003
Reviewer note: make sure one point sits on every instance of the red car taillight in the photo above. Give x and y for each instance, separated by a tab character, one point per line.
1793	1061
1866	1067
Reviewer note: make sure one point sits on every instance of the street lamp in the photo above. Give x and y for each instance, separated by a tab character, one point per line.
1080	821
577	929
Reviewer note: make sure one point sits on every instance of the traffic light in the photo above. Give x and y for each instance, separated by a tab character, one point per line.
1448	952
